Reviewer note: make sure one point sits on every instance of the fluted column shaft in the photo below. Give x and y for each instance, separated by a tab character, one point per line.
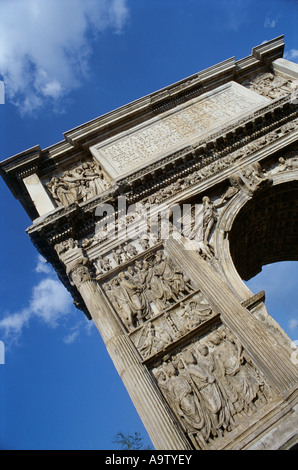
162	427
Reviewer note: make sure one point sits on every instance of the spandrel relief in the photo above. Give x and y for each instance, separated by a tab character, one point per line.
288	162
212	386
147	287
77	184
251	179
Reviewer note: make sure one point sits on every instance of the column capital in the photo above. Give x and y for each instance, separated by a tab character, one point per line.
78	265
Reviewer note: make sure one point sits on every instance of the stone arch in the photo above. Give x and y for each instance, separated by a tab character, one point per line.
254	231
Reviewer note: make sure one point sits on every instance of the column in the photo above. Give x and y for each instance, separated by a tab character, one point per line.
162	427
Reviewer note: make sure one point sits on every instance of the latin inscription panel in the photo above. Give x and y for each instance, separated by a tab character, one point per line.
175	129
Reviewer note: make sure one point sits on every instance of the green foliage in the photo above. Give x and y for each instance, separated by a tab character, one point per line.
130	441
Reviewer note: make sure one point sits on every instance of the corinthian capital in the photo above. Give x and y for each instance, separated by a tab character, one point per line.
79	272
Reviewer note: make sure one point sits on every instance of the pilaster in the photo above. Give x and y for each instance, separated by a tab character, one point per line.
270	358
162	427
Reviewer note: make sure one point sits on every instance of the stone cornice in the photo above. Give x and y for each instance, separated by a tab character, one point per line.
77	141
78	222
142	184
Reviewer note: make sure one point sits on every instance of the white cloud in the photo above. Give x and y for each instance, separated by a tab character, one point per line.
270	22
84	325
45	45
293	323
71	337
12	325
292	54
42	266
49	302
2	92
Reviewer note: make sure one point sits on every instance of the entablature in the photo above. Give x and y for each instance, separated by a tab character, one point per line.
77	142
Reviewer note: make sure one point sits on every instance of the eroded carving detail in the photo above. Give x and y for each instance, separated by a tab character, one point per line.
212	386
251	179
147	287
77	185
270	85
287	163
172	324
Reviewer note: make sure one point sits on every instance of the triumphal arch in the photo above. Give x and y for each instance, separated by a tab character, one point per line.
152	216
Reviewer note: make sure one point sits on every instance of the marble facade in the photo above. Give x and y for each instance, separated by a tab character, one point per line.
153	221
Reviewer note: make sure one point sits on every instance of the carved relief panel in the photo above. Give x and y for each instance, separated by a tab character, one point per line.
77	184
212	386
147	287
271	86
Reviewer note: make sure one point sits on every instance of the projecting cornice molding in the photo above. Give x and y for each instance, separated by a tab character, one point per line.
132	114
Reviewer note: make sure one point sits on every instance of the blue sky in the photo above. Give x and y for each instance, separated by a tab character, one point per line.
65	62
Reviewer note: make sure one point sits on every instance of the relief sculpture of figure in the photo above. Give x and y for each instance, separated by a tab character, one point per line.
152	339
228	363
194	313
209	218
120	302
168	283
144	276
136	300
251	179
160	291
238	377
60	191
184	401
285	164
77	185
202	375
95	176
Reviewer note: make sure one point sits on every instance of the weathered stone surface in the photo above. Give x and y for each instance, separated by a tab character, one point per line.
157	213
175	129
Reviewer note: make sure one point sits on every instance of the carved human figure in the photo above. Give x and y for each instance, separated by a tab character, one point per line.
286	164
130	250
117	256
270	85
237	375
251	179
144	243
202	375
136	300
170	281
95	177
60	191
77	185
183	400
121	303
144	276
152	339
228	362
73	181
194	313
160	291
103	264
209	218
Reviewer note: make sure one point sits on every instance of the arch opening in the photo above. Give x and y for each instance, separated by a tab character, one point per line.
264	249
265	230
280	283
